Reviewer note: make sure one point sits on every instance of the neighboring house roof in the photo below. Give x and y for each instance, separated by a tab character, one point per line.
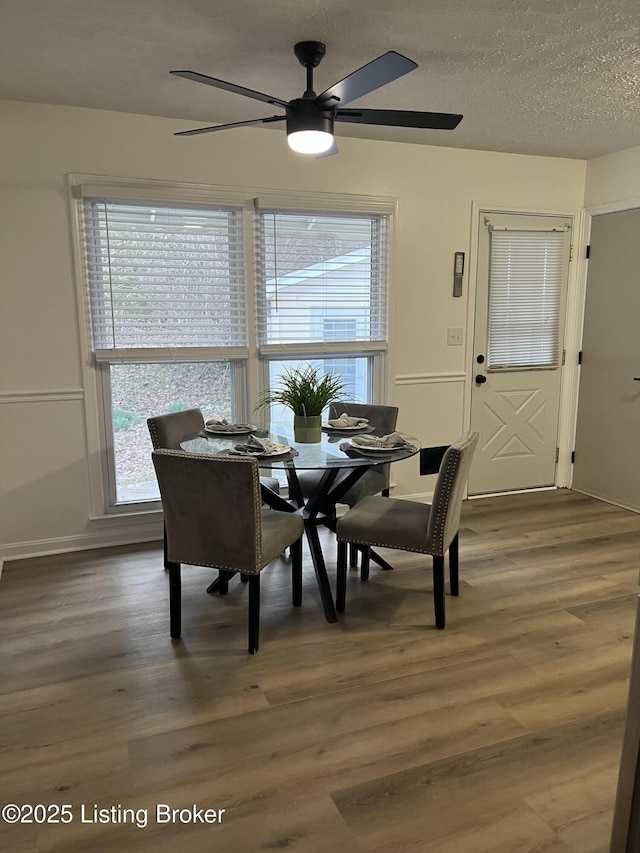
314	273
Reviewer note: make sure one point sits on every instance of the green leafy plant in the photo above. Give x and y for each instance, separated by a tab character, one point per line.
304	390
123	420
178	407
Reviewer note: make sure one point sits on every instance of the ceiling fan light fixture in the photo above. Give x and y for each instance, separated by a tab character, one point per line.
310	141
309	128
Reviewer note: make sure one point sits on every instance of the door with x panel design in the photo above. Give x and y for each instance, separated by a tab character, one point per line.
520	302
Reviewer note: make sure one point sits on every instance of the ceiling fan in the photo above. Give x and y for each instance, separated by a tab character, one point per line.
310	119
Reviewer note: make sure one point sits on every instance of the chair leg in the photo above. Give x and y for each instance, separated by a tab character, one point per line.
353	555
220	584
175	604
365	562
453	566
164	543
244	578
254	613
438	590
296	571
341	577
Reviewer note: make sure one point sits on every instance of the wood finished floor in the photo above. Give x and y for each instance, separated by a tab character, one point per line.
501	733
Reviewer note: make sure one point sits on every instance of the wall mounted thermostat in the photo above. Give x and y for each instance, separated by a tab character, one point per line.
458	272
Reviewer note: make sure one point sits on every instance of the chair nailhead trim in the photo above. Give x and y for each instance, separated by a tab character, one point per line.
257	505
155	439
383	545
448	481
220	566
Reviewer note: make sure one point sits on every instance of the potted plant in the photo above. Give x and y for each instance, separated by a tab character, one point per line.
307	393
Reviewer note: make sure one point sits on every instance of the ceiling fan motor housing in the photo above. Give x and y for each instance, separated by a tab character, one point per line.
304	114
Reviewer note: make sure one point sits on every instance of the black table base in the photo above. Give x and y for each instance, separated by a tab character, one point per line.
318	509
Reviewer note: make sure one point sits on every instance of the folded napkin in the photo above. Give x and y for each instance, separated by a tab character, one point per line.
392	440
346	421
255	446
225	426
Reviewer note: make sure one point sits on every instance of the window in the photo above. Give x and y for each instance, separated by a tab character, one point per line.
166	291
140	389
164	276
199	297
322	294
340	329
356	372
311	261
525	299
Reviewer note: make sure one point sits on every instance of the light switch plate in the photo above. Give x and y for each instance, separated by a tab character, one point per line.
455	337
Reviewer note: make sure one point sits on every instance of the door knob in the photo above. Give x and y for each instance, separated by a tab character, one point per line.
480	379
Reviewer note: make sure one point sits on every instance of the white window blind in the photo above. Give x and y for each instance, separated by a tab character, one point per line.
312	264
164	277
525	288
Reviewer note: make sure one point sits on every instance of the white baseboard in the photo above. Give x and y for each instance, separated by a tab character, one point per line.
148	530
421	497
608	500
513	492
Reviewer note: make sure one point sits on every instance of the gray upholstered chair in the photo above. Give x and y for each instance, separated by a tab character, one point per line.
213	516
376	479
413	526
168	431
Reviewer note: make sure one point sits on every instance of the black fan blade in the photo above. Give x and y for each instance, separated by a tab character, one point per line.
370	77
229	87
401	118
225	126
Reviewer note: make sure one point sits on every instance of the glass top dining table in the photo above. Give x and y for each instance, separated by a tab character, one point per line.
332	456
327	453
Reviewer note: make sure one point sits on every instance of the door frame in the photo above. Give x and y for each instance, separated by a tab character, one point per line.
572	333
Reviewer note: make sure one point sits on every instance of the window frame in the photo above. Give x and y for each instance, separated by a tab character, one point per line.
250	371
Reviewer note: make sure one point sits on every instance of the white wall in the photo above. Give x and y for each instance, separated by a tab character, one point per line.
44	496
613	178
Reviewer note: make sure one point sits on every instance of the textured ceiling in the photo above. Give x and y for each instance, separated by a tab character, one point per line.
557	78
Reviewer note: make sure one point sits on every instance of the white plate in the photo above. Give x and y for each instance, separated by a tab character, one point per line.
245	429
346	428
372	448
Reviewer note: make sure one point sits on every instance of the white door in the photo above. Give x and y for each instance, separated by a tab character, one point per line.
523	264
